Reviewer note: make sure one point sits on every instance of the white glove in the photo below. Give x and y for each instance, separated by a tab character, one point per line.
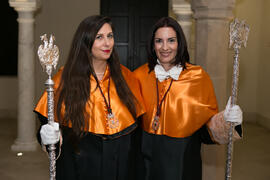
233	113
50	133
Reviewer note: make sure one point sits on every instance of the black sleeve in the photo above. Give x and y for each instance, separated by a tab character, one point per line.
238	129
44	120
205	136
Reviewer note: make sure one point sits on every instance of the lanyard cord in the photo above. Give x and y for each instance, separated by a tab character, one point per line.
159	105
108	104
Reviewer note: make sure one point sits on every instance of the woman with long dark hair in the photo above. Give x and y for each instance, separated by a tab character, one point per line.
181	108
95	108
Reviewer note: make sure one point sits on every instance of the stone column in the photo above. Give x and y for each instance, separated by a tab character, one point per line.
212	20
183	12
26	127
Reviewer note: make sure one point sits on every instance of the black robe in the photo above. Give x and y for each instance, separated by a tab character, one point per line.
169	158
96	157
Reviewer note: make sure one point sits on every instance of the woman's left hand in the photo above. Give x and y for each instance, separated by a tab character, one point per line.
233	113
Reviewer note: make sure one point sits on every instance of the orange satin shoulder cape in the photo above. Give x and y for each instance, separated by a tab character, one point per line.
96	107
189	104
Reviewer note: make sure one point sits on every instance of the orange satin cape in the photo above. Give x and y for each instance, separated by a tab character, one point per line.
189	104
96	107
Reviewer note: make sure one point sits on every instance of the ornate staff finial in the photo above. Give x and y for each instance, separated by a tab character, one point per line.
239	31
48	54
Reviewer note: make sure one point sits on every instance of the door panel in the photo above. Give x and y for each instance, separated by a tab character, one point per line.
133	20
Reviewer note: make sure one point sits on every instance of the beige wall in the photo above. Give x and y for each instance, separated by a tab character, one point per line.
263	93
60	18
8	96
254	60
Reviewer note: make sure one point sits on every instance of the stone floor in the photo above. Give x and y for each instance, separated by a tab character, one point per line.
251	156
29	166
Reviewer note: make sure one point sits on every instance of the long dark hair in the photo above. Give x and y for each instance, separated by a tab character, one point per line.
74	89
182	55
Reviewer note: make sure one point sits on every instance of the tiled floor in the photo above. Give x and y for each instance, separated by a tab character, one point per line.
251	156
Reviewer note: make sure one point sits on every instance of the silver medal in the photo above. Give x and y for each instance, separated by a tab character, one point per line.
112	121
155	124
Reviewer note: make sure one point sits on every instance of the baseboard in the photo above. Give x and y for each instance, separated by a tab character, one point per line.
252	117
263	121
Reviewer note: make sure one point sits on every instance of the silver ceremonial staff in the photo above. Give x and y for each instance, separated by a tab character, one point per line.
238	36
48	54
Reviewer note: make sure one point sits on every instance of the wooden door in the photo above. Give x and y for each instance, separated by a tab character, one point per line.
133	20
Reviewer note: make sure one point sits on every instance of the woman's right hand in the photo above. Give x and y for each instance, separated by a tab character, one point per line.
50	133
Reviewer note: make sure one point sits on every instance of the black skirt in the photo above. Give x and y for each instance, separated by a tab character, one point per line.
168	158
97	158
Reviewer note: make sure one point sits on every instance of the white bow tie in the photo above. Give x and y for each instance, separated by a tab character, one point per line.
161	74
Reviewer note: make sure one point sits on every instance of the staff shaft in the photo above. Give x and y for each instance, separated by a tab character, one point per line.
50	103
233	102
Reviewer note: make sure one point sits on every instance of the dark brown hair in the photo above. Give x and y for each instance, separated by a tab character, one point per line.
182	55
74	89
